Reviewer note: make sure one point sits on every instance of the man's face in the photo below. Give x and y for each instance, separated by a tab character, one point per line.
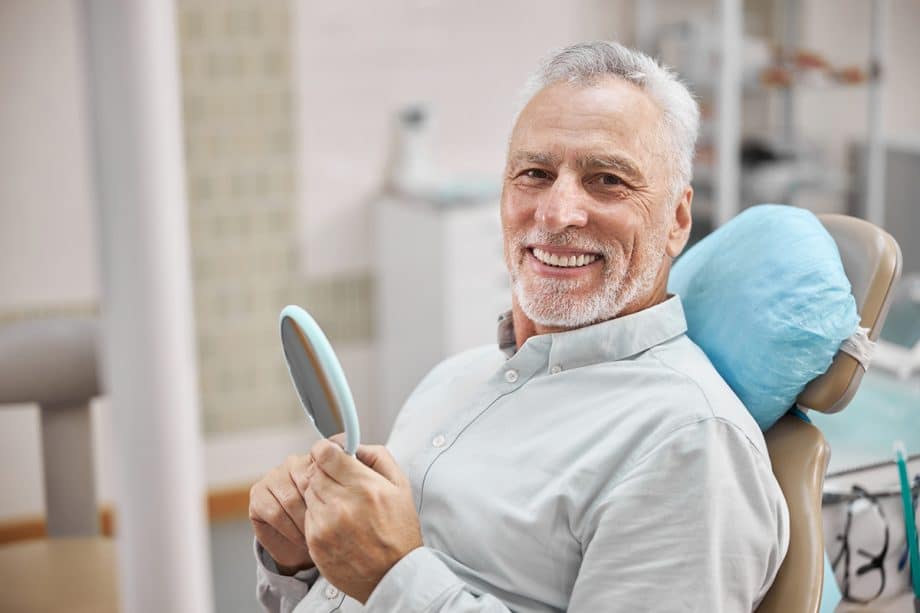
585	212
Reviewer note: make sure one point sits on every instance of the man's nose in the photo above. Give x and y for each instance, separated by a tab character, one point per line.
562	206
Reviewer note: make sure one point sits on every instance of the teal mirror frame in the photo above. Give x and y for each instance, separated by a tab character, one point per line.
332	372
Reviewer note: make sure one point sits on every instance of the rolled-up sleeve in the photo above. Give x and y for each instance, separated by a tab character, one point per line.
279	593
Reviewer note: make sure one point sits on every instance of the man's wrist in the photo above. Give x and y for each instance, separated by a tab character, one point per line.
290	571
273	566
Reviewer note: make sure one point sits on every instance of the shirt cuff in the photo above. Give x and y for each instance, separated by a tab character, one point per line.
416	583
287	587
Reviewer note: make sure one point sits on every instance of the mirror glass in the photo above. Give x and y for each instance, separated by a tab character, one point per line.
318	377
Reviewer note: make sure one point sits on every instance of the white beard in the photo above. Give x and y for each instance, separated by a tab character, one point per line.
552	302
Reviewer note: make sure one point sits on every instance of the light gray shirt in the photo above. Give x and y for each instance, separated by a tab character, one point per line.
608	468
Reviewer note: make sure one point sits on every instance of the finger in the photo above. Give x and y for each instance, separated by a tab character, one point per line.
379	459
338	439
300	470
302	478
313	499
287	495
265	509
312	519
332	460
324	486
280	520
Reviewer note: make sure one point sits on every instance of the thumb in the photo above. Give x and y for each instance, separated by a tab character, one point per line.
338	439
379	459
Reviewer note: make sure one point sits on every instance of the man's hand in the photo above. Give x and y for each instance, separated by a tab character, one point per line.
277	512
361	517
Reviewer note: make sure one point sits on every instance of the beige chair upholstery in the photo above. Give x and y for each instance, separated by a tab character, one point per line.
798	451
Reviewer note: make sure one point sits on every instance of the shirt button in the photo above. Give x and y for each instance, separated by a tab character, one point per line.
555	370
511	376
438	441
331	592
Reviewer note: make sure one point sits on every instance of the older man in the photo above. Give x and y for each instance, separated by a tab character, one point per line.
594	460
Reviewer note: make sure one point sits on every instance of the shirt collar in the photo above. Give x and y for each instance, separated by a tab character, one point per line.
607	341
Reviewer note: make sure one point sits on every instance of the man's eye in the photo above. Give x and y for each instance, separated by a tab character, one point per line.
536	173
608	179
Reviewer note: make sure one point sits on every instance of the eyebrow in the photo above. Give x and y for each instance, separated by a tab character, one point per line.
620	163
537	157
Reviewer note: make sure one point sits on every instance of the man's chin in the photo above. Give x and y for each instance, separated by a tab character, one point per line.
559	321
559	311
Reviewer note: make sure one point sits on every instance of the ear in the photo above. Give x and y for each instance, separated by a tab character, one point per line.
680	221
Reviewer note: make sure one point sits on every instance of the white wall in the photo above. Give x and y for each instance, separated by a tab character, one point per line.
467	60
47	252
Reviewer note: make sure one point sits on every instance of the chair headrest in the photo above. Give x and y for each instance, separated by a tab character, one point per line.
872	262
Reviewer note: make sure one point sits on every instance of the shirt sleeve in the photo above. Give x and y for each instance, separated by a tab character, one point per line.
421	581
697	524
279	593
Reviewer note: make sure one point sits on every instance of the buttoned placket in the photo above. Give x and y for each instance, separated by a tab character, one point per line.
513	374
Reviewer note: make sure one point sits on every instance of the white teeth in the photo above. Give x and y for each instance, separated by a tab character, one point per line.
563	261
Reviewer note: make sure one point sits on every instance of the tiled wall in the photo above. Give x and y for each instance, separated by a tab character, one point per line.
237	90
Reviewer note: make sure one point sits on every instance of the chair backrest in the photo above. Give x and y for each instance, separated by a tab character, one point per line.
52	363
798	451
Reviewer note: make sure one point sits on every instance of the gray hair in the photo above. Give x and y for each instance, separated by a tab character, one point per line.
586	63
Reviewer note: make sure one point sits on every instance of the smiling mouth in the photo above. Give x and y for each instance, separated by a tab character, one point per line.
574	260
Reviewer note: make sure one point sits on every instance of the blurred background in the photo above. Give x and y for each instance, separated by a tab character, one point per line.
347	157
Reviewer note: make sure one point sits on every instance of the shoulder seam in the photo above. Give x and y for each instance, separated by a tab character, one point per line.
712	413
622	475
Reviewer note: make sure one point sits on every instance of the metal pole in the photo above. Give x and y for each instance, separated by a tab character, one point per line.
875	154
791	15
646	15
147	329
728	144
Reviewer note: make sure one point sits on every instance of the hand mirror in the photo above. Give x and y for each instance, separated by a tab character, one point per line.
318	377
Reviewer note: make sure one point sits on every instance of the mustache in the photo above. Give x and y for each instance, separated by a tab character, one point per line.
567	239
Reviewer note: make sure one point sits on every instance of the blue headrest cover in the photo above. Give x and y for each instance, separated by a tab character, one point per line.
767	299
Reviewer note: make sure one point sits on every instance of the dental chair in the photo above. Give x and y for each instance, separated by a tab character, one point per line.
798	451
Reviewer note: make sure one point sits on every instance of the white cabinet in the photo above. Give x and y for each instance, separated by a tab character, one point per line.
441	284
